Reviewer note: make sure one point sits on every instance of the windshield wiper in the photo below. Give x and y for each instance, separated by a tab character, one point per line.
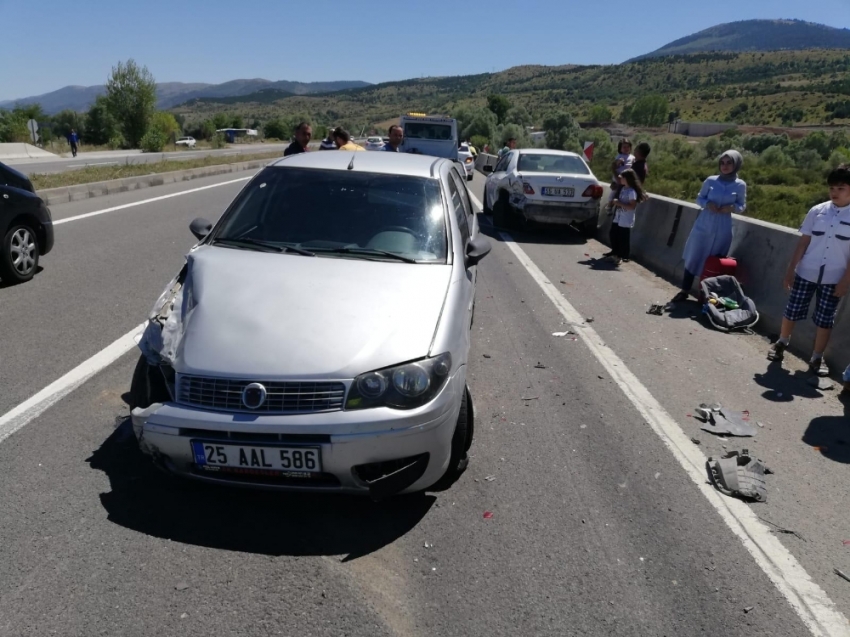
265	245
374	251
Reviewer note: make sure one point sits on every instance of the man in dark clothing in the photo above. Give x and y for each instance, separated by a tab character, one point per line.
73	139
303	135
639	166
396	135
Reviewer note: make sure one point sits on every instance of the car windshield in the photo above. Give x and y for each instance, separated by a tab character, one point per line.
422	130
340	214
544	163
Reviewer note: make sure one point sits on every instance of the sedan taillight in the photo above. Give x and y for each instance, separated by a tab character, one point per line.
527	189
468	160
594	192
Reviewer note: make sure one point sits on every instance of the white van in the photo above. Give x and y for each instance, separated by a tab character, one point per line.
430	135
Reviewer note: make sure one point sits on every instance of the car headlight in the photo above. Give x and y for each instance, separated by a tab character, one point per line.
401	387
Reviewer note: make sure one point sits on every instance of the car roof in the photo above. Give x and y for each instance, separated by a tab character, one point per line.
548	151
384	163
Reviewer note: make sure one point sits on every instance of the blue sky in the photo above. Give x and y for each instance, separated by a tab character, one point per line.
55	43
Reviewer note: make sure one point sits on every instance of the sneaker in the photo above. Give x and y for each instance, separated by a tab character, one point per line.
608	254
776	351
681	296
625	260
818	366
616	261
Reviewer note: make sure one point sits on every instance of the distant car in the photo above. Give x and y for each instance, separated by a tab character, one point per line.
189	142
542	185
374	143
351	375
26	227
465	156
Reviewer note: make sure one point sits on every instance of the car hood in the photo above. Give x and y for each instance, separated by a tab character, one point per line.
272	316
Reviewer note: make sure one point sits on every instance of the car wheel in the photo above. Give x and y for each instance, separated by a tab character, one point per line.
148	386
461	442
19	255
588	228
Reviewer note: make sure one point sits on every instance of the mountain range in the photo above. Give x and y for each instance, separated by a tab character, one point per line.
169	94
757	35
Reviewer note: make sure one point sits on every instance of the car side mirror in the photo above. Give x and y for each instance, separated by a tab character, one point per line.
477	249
200	227
487	169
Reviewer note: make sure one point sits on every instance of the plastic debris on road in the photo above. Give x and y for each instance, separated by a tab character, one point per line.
489	478
739	475
488	515
181	586
656	309
723	421
841	574
589	319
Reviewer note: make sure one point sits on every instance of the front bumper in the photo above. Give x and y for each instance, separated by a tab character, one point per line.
347	440
555	212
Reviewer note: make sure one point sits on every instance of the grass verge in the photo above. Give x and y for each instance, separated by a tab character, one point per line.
92	174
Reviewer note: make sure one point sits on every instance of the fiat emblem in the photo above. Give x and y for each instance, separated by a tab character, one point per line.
254	396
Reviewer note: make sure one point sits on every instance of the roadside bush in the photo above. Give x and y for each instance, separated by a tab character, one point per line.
218	141
808	159
839	156
152	142
116	142
775	157
479	142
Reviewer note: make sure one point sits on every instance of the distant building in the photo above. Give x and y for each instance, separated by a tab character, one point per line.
230	134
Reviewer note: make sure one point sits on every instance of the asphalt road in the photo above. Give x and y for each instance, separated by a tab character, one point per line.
114	157
596	528
110	158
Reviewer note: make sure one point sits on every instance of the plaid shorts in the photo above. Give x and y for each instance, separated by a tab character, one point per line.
801	297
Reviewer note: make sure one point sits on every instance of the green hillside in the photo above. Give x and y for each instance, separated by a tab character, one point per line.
756	88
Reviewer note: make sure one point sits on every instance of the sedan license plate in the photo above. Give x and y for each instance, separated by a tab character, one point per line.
559	192
214	456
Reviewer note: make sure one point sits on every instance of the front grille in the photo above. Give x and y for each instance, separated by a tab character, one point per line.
224	394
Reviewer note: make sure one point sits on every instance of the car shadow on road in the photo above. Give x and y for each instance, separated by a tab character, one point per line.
146	500
831	435
783	386
535	233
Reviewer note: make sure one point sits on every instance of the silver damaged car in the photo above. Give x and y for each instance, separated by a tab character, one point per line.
317	337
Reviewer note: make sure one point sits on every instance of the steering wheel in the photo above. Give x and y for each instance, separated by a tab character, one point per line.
396	229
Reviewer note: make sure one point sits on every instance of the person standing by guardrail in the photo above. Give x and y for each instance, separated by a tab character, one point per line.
820	264
630	194
396	135
303	135
342	138
509	146
719	197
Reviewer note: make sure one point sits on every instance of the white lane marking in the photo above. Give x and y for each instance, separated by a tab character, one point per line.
808	600
102	163
144	201
23	414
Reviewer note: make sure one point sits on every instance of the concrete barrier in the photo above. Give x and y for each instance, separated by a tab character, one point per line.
53	196
762	249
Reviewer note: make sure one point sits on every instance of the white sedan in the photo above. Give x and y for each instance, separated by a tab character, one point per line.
465	156
351	375
188	142
543	185
374	143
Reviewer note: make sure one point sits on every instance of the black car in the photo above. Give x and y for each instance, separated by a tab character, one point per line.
26	228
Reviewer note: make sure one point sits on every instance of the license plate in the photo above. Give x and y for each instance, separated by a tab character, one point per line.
213	455
559	192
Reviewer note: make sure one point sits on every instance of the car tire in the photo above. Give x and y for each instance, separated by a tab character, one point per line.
19	254
588	228
148	386
461	443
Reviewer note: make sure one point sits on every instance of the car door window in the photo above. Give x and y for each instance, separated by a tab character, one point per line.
502	164
464	197
459	211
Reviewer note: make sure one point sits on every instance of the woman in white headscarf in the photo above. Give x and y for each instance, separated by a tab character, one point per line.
719	197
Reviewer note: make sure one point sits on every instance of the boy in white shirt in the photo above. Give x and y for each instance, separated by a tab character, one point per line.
819	265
